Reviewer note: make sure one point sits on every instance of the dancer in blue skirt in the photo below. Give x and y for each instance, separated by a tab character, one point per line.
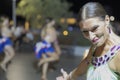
6	44
44	50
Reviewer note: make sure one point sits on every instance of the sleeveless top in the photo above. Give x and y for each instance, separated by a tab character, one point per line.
43	47
99	68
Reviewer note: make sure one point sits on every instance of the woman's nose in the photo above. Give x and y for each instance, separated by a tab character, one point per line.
91	35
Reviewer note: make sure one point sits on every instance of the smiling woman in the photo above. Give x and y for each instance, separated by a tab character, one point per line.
102	60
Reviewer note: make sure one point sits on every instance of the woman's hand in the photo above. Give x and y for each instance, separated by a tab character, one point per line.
64	77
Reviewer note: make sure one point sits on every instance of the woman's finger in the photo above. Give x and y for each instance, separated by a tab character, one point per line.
64	73
60	78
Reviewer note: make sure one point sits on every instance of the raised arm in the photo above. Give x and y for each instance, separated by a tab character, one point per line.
81	69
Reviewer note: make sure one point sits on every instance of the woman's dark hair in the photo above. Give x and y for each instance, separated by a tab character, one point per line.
92	9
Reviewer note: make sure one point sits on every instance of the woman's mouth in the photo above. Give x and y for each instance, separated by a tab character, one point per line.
94	40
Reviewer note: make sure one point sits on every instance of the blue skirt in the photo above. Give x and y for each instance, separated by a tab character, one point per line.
4	42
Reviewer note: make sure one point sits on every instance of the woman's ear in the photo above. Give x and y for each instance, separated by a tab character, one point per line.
107	20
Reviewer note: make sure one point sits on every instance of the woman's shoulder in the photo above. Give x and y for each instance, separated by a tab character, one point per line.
117	55
115	51
115	62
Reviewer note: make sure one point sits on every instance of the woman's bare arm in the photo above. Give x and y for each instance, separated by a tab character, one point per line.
57	48
82	67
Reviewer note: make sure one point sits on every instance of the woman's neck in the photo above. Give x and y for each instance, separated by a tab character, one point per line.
112	40
47	39
103	49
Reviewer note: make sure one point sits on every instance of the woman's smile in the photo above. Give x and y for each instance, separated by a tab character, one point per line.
95	40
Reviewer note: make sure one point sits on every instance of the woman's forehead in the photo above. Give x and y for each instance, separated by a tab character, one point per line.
50	30
89	22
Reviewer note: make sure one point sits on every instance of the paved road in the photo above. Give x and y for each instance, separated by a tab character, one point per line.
22	67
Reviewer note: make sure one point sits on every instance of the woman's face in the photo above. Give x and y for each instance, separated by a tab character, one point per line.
52	34
95	30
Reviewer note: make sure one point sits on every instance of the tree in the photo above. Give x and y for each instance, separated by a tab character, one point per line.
36	11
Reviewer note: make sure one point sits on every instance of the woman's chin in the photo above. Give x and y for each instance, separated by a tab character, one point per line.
98	44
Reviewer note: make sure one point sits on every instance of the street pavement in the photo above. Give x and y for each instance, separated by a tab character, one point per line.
22	67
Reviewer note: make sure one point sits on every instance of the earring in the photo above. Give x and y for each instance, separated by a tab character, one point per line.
109	30
112	18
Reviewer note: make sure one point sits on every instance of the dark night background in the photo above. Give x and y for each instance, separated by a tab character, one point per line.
110	5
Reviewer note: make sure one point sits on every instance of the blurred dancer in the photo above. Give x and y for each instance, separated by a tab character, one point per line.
45	51
6	43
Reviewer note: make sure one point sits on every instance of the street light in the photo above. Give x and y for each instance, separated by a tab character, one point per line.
14	12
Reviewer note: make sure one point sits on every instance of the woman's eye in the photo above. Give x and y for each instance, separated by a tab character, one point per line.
95	28
85	32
